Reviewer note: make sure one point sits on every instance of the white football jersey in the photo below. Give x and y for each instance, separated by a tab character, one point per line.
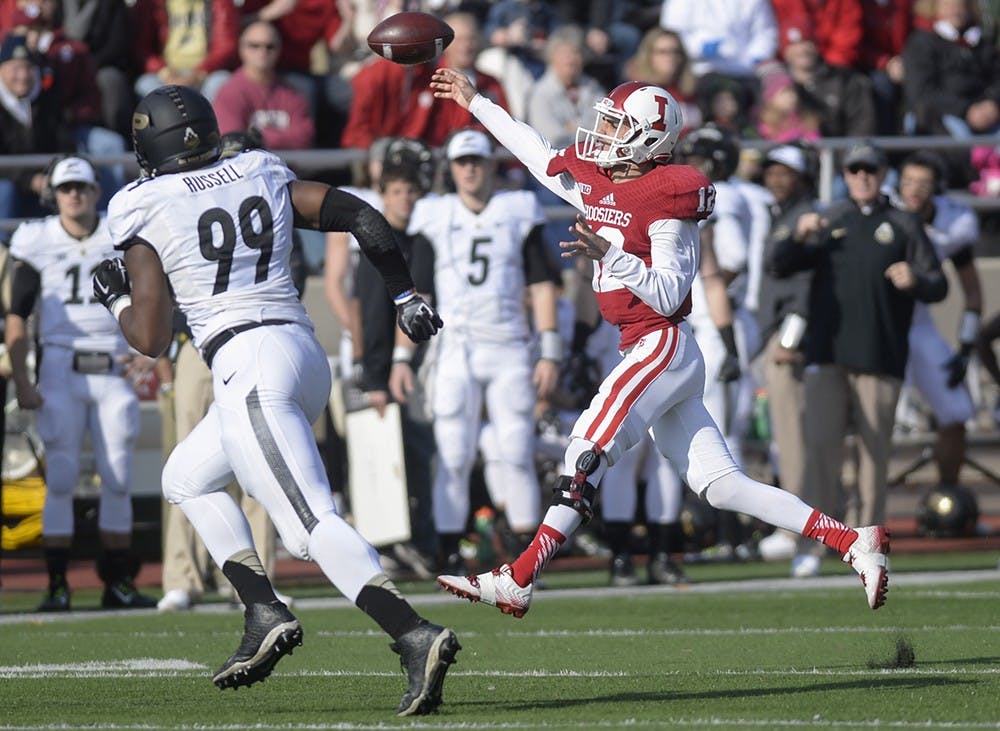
223	234
731	241
479	275
68	314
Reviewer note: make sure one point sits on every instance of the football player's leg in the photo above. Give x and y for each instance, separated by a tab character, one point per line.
457	409
635	392
952	407
114	425
510	406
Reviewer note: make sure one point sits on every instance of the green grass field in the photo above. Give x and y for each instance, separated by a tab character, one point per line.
742	649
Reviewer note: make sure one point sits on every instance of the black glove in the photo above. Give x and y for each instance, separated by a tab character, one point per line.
957	365
729	371
417	318
111	283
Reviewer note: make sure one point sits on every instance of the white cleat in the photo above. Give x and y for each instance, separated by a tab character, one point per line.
496	588
175	600
868	555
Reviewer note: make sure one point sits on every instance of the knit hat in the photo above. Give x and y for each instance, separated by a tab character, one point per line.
14	47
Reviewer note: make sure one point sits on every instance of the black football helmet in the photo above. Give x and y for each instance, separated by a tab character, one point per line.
948	511
174	129
716	146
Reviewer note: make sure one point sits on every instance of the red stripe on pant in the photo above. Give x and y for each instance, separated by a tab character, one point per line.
619	390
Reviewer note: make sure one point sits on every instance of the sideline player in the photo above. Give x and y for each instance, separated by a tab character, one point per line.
488	256
645	258
217	235
82	381
937	371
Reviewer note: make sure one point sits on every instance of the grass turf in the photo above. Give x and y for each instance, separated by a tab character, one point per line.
767	657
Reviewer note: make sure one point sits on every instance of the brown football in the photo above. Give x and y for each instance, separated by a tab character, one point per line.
410	38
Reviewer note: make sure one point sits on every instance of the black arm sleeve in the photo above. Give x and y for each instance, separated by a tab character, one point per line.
342	211
422	265
538	266
377	328
25	285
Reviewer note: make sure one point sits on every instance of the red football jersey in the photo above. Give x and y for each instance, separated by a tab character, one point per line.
622	213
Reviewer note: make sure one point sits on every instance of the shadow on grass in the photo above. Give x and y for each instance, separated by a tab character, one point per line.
907	683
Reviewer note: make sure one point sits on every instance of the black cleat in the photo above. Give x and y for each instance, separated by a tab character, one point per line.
662	570
270	632
425	654
122	594
56	600
623	571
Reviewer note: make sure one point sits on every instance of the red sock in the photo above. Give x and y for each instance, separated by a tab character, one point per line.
830	532
530	563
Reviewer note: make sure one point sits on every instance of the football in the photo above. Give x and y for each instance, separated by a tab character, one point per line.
410	38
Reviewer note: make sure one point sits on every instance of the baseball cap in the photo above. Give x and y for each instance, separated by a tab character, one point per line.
866	154
469	142
788	155
14	47
72	170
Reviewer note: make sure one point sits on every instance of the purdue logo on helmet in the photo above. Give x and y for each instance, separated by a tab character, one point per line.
174	129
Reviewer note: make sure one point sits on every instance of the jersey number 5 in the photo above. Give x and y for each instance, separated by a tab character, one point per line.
262	239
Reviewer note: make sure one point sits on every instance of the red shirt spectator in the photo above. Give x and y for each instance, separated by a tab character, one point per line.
835	25
396	101
255	96
887	25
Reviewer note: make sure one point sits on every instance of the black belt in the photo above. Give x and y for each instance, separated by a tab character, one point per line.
220	339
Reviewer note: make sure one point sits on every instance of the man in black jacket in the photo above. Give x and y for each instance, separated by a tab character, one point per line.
389	362
870	263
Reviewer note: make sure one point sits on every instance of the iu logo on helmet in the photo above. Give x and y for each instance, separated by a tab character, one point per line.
661	102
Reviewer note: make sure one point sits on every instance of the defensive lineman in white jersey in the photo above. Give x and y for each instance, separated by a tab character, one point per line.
81	381
488	254
216	235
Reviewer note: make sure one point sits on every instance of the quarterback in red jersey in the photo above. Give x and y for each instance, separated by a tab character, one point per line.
639	225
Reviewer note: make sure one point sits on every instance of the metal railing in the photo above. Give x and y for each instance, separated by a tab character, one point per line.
315	161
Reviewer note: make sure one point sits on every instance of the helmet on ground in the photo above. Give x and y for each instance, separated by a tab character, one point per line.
174	129
948	511
647	122
717	146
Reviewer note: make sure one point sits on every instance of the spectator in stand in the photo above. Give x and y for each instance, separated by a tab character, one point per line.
31	121
69	67
391	100
726	37
301	24
190	45
662	60
520	28
610	40
842	96
564	95
727	103
988	333
104	26
257	97
838	26
887	25
952	81
515	32
785	114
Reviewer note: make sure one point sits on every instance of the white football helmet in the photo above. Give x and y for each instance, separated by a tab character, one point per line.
648	122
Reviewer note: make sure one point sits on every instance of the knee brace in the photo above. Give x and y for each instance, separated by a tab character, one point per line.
576	491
